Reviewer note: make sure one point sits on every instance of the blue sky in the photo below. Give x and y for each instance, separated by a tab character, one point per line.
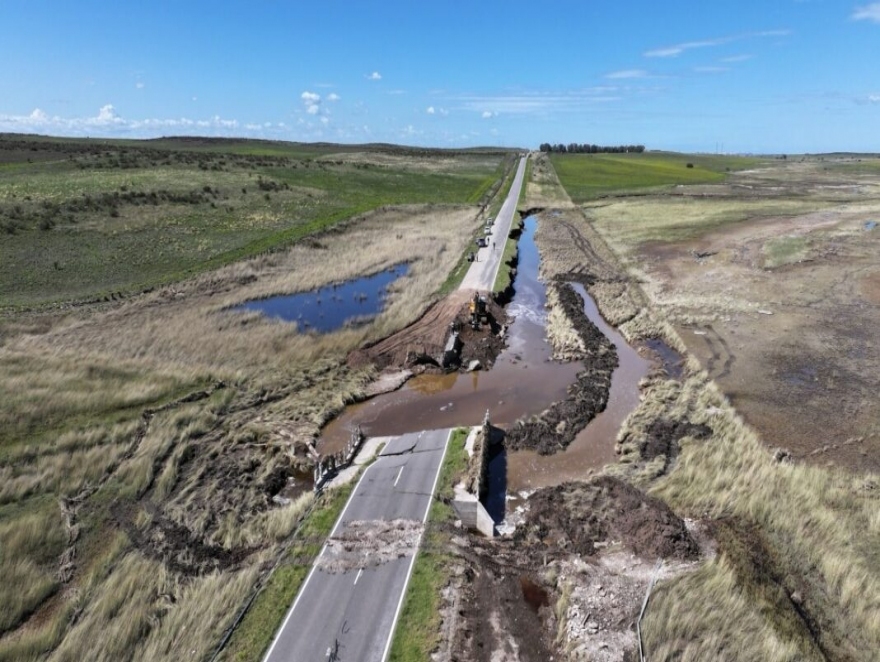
747	76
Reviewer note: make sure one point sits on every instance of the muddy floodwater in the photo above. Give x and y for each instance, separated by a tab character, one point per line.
332	307
594	445
523	382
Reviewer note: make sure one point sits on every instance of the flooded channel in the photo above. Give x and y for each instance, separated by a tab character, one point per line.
523	382
594	445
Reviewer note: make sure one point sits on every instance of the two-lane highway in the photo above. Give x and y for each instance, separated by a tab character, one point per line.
350	615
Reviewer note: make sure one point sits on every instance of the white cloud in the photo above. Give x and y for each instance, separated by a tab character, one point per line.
430	110
108	122
711	70
678	49
325	120
874	98
139	85
627	73
488	114
538	103
374	76
736	58
312	101
333	97
107	115
867	13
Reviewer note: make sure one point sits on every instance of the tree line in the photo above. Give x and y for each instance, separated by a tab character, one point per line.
586	148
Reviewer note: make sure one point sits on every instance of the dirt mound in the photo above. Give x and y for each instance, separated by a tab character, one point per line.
422	343
558	426
584	517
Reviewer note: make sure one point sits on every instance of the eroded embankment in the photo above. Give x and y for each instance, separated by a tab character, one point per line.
555	428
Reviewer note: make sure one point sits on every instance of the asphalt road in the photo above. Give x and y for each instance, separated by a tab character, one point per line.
350	616
482	273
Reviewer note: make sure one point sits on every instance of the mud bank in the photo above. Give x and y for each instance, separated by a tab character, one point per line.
555	428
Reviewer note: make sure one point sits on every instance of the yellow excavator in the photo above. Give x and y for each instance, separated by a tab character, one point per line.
478	310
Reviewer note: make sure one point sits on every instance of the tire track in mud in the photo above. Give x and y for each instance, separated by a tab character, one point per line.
719	350
592	259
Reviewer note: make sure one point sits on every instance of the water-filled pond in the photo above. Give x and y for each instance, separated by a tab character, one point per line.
331	307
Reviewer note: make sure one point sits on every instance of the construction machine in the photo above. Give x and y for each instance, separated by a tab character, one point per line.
479	311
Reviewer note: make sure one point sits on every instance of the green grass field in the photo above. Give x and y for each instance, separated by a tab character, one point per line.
82	220
588	176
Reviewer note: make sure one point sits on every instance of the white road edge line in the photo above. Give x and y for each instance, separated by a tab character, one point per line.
416	552
302	589
360	572
398	475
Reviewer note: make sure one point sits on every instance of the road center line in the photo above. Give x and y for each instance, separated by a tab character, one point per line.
360	572
398	475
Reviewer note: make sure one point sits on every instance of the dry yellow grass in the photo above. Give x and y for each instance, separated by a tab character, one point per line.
542	188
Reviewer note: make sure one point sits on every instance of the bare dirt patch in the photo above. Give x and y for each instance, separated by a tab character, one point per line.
581	518
419	347
771	282
570	581
363	544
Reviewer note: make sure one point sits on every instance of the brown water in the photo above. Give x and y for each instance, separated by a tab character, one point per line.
594	445
523	382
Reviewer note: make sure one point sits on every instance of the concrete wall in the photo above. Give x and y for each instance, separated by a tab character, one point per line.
474	516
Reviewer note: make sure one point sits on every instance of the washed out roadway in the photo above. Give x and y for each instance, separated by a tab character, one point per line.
351	615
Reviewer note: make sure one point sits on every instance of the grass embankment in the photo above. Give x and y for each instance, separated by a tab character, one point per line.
588	176
505	271
418	628
252	637
89	221
795	577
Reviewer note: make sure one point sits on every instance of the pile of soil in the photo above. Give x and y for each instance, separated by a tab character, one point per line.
558	425
419	347
582	518
664	434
